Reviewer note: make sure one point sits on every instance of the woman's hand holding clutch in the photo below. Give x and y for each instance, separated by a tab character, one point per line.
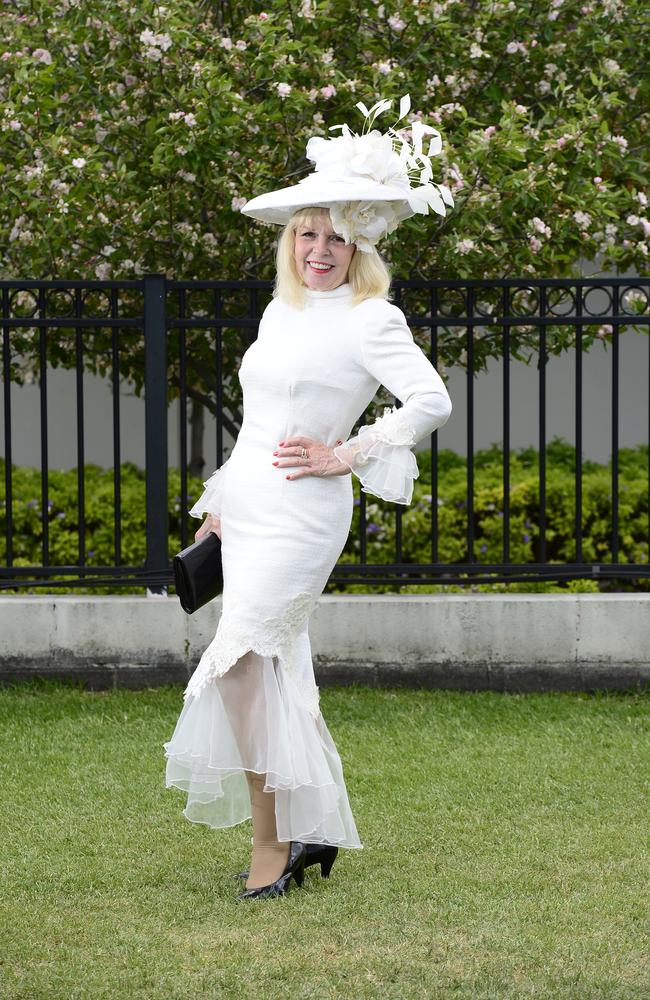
211	523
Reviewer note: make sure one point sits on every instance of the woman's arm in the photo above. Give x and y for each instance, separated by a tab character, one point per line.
380	453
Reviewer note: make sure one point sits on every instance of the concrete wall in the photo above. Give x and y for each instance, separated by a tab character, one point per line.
514	642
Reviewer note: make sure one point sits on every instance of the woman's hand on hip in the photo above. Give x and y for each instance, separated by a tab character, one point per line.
211	523
307	457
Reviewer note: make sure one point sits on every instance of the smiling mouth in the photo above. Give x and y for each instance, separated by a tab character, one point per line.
316	265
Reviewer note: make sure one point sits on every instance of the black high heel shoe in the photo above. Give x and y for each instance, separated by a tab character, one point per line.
295	867
323	854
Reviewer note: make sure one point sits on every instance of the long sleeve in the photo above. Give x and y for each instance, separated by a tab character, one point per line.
210	500
380	453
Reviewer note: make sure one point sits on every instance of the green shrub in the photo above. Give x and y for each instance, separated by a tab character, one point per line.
99	535
524	533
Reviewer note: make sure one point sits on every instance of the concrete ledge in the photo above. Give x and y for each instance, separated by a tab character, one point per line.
501	642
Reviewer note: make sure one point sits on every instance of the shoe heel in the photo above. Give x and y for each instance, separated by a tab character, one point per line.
328	859
299	873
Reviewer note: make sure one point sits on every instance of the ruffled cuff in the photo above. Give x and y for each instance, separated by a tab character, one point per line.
210	500
380	456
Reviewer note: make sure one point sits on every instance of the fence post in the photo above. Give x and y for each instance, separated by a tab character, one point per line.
155	417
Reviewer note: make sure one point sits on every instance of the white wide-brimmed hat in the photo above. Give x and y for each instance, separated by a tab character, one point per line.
366	181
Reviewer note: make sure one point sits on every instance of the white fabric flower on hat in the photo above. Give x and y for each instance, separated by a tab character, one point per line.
363	222
370	182
370	155
385	158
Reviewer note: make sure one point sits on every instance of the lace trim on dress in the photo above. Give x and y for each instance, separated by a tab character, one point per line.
380	456
275	636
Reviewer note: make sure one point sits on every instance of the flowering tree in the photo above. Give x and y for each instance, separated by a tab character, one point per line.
132	133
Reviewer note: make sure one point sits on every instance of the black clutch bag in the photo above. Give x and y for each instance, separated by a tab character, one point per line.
198	573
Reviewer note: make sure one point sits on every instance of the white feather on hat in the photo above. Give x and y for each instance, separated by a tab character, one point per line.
366	180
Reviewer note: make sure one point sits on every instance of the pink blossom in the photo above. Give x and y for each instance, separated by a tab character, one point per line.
43	56
263	16
328	91
490	130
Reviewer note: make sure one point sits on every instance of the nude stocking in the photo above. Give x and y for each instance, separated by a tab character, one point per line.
270	855
242	690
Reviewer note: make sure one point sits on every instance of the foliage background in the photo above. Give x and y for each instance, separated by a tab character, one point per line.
524	533
132	132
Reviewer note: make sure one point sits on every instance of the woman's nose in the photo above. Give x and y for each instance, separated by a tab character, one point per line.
322	245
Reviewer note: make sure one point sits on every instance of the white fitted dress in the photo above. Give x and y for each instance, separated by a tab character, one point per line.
252	703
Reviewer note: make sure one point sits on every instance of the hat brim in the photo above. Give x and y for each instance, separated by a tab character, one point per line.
278	206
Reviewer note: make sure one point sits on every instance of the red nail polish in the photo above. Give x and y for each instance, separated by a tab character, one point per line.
280	443
288	477
275	463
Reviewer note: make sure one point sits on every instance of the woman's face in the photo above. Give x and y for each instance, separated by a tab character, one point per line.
322	256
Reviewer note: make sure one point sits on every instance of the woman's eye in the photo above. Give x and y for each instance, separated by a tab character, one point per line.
338	239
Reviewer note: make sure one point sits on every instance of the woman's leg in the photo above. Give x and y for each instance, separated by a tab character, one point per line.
242	690
270	855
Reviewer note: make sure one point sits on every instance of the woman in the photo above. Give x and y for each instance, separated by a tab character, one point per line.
250	739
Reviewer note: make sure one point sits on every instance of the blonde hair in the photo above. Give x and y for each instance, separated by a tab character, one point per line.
368	275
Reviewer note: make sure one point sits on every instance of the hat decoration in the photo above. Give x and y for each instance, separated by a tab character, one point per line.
370	182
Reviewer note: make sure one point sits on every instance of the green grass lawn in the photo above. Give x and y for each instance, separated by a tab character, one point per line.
505	855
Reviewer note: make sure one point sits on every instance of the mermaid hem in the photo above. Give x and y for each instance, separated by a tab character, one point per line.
254	718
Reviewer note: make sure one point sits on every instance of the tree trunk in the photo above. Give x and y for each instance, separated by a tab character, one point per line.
197	422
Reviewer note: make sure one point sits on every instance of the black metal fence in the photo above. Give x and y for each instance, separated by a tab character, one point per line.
183	339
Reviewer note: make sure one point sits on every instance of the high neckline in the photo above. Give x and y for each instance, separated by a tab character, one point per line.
329	294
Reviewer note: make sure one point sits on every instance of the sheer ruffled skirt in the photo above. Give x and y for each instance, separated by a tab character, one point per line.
252	703
254	718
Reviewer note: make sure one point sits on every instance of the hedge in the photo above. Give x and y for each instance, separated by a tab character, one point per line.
380	517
